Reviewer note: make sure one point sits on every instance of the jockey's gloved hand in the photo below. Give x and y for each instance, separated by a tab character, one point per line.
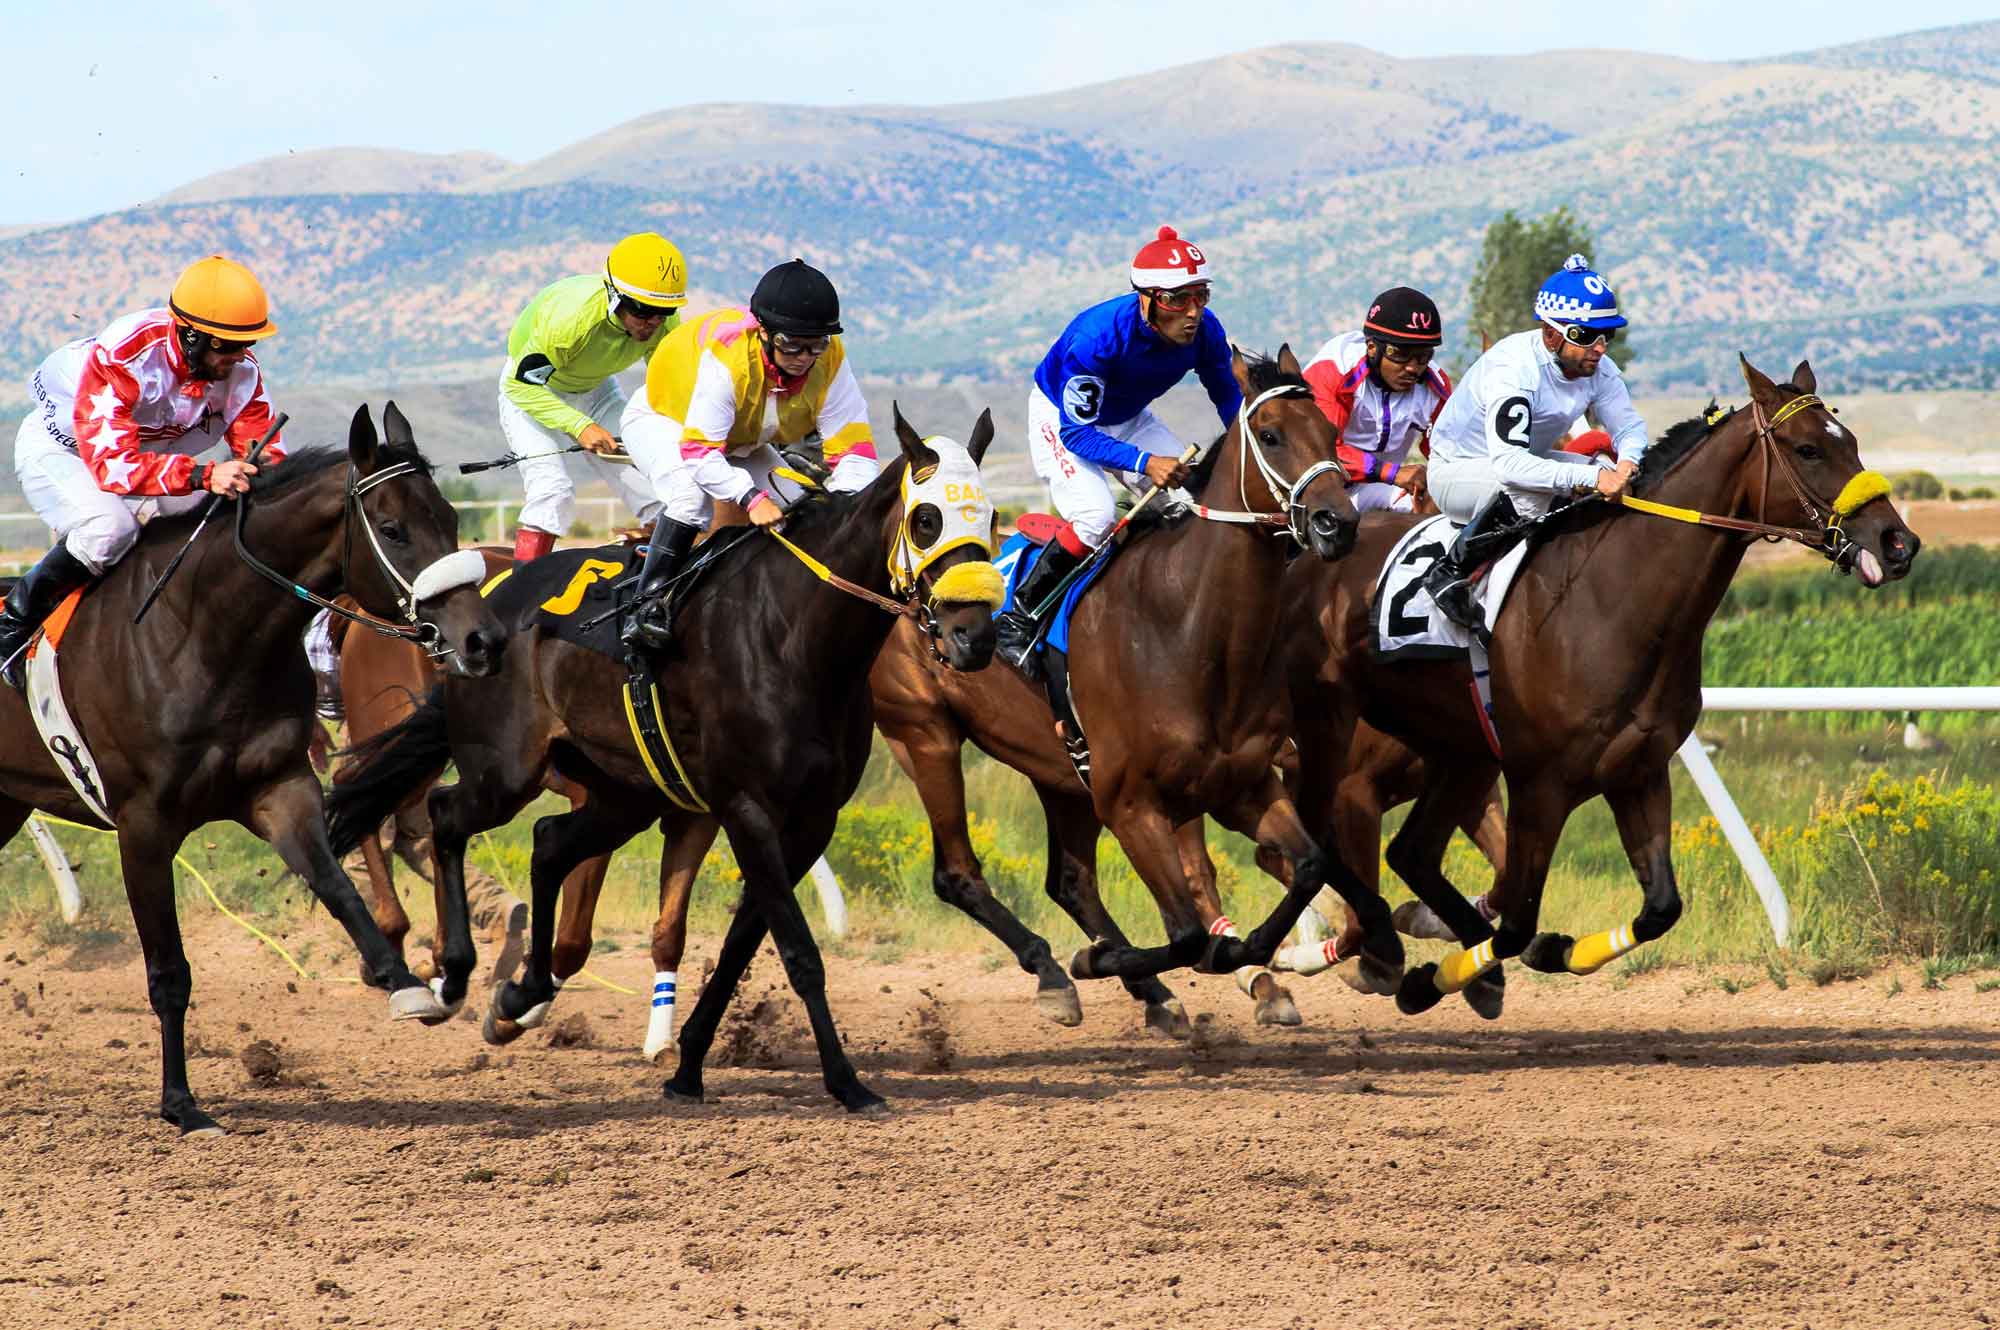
1166	472
808	459
597	439
765	512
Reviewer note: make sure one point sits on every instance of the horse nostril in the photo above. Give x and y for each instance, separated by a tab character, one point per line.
1325	524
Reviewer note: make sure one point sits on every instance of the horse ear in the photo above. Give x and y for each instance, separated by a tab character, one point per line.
914	448
396	428
982	434
1761	388
1239	369
361	439
1288	362
1803	380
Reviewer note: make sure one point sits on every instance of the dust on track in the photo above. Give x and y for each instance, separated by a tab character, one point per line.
1661	1154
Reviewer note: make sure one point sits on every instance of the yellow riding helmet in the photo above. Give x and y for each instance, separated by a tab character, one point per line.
221	297
649	269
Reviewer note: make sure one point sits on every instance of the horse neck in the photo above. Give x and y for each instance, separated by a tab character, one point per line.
1695	563
1236	569
845	629
297	533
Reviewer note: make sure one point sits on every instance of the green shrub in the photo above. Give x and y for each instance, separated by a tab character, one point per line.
1916	485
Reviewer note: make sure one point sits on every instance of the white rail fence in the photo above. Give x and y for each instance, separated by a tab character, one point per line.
1709	781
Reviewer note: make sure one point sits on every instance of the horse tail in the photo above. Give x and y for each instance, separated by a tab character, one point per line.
383	772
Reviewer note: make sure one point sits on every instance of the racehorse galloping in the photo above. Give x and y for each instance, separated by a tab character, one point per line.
1175	672
764	703
201	712
1596	666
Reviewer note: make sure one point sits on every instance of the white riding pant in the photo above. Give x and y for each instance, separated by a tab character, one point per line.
1379	496
654	441
97	527
1461	488
550	503
1080	490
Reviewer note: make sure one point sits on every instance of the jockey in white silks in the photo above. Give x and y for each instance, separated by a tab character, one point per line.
1379	389
1495	464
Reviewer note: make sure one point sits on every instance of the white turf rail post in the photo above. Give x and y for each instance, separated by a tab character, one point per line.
831	903
1709	782
57	863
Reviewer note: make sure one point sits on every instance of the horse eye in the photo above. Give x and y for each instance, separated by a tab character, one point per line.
1268	437
926	525
1810	452
391	528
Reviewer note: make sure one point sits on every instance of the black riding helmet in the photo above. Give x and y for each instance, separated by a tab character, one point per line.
1404	316
796	299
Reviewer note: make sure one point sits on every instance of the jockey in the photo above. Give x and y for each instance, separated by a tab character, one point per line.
118	422
722	396
1087	410
1379	390
1494	454
557	387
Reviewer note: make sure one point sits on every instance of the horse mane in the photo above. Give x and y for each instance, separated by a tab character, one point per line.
1677	443
301	467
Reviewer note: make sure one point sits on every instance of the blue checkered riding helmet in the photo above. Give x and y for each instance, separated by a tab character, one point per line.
1575	294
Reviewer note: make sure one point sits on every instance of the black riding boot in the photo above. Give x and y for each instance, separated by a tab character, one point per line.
39	591
1016	628
665	553
1490	534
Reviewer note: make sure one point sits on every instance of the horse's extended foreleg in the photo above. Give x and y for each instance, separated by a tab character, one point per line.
1417	856
1147	835
680	861
383	902
1645	823
745	934
289	815
146	854
931	760
1274	1003
1537	810
562	841
1071	883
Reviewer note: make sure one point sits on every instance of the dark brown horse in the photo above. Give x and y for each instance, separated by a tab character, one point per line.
1596	664
764	703
201	712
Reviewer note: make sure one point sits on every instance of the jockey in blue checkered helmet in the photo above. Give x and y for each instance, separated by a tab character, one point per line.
1580	306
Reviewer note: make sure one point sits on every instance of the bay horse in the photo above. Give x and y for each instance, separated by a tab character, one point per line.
201	712
1174	671
764	701
1596	667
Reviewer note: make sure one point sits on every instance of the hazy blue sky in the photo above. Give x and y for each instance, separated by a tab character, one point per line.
111	103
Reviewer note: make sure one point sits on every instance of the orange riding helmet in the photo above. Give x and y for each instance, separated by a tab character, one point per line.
220	297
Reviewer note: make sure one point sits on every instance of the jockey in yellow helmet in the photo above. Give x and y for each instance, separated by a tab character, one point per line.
557	387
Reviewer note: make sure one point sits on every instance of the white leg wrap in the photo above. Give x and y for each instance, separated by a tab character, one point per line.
1246	976
660	1023
1307	958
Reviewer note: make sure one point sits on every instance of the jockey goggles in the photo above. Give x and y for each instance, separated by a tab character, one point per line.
1405	353
1184	298
1578	335
640	310
785	344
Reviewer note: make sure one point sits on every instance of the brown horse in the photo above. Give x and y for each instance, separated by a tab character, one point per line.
762	698
1596	668
201	712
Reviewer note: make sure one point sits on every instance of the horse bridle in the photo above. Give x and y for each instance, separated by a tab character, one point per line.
1291	496
1831	540
459	568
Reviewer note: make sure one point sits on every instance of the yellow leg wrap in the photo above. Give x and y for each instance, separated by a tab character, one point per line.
1590	954
1462	967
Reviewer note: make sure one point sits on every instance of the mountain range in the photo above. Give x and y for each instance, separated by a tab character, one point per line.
1841	203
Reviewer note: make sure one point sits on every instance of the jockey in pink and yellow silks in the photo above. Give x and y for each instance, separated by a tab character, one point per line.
723	394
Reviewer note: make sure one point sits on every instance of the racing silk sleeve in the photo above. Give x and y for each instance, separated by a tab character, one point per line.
847	439
1509	443
1441	385
1612	404
1213	370
550	343
711	415
1079	399
107	435
253	418
1333	393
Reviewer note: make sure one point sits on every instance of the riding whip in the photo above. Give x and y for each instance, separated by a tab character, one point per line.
214	502
500	463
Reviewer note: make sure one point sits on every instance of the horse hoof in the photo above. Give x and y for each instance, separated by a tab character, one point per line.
865	1103
498	1030
677	1095
507	958
1060	1005
1169	1018
1548	953
1279	1010
425	969
1419	991
1365	974
1083	965
368	979
1416	919
196	1125
657	1053
1487	994
417	1003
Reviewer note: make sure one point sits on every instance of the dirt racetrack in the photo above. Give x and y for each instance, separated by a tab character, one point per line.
1663	1153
